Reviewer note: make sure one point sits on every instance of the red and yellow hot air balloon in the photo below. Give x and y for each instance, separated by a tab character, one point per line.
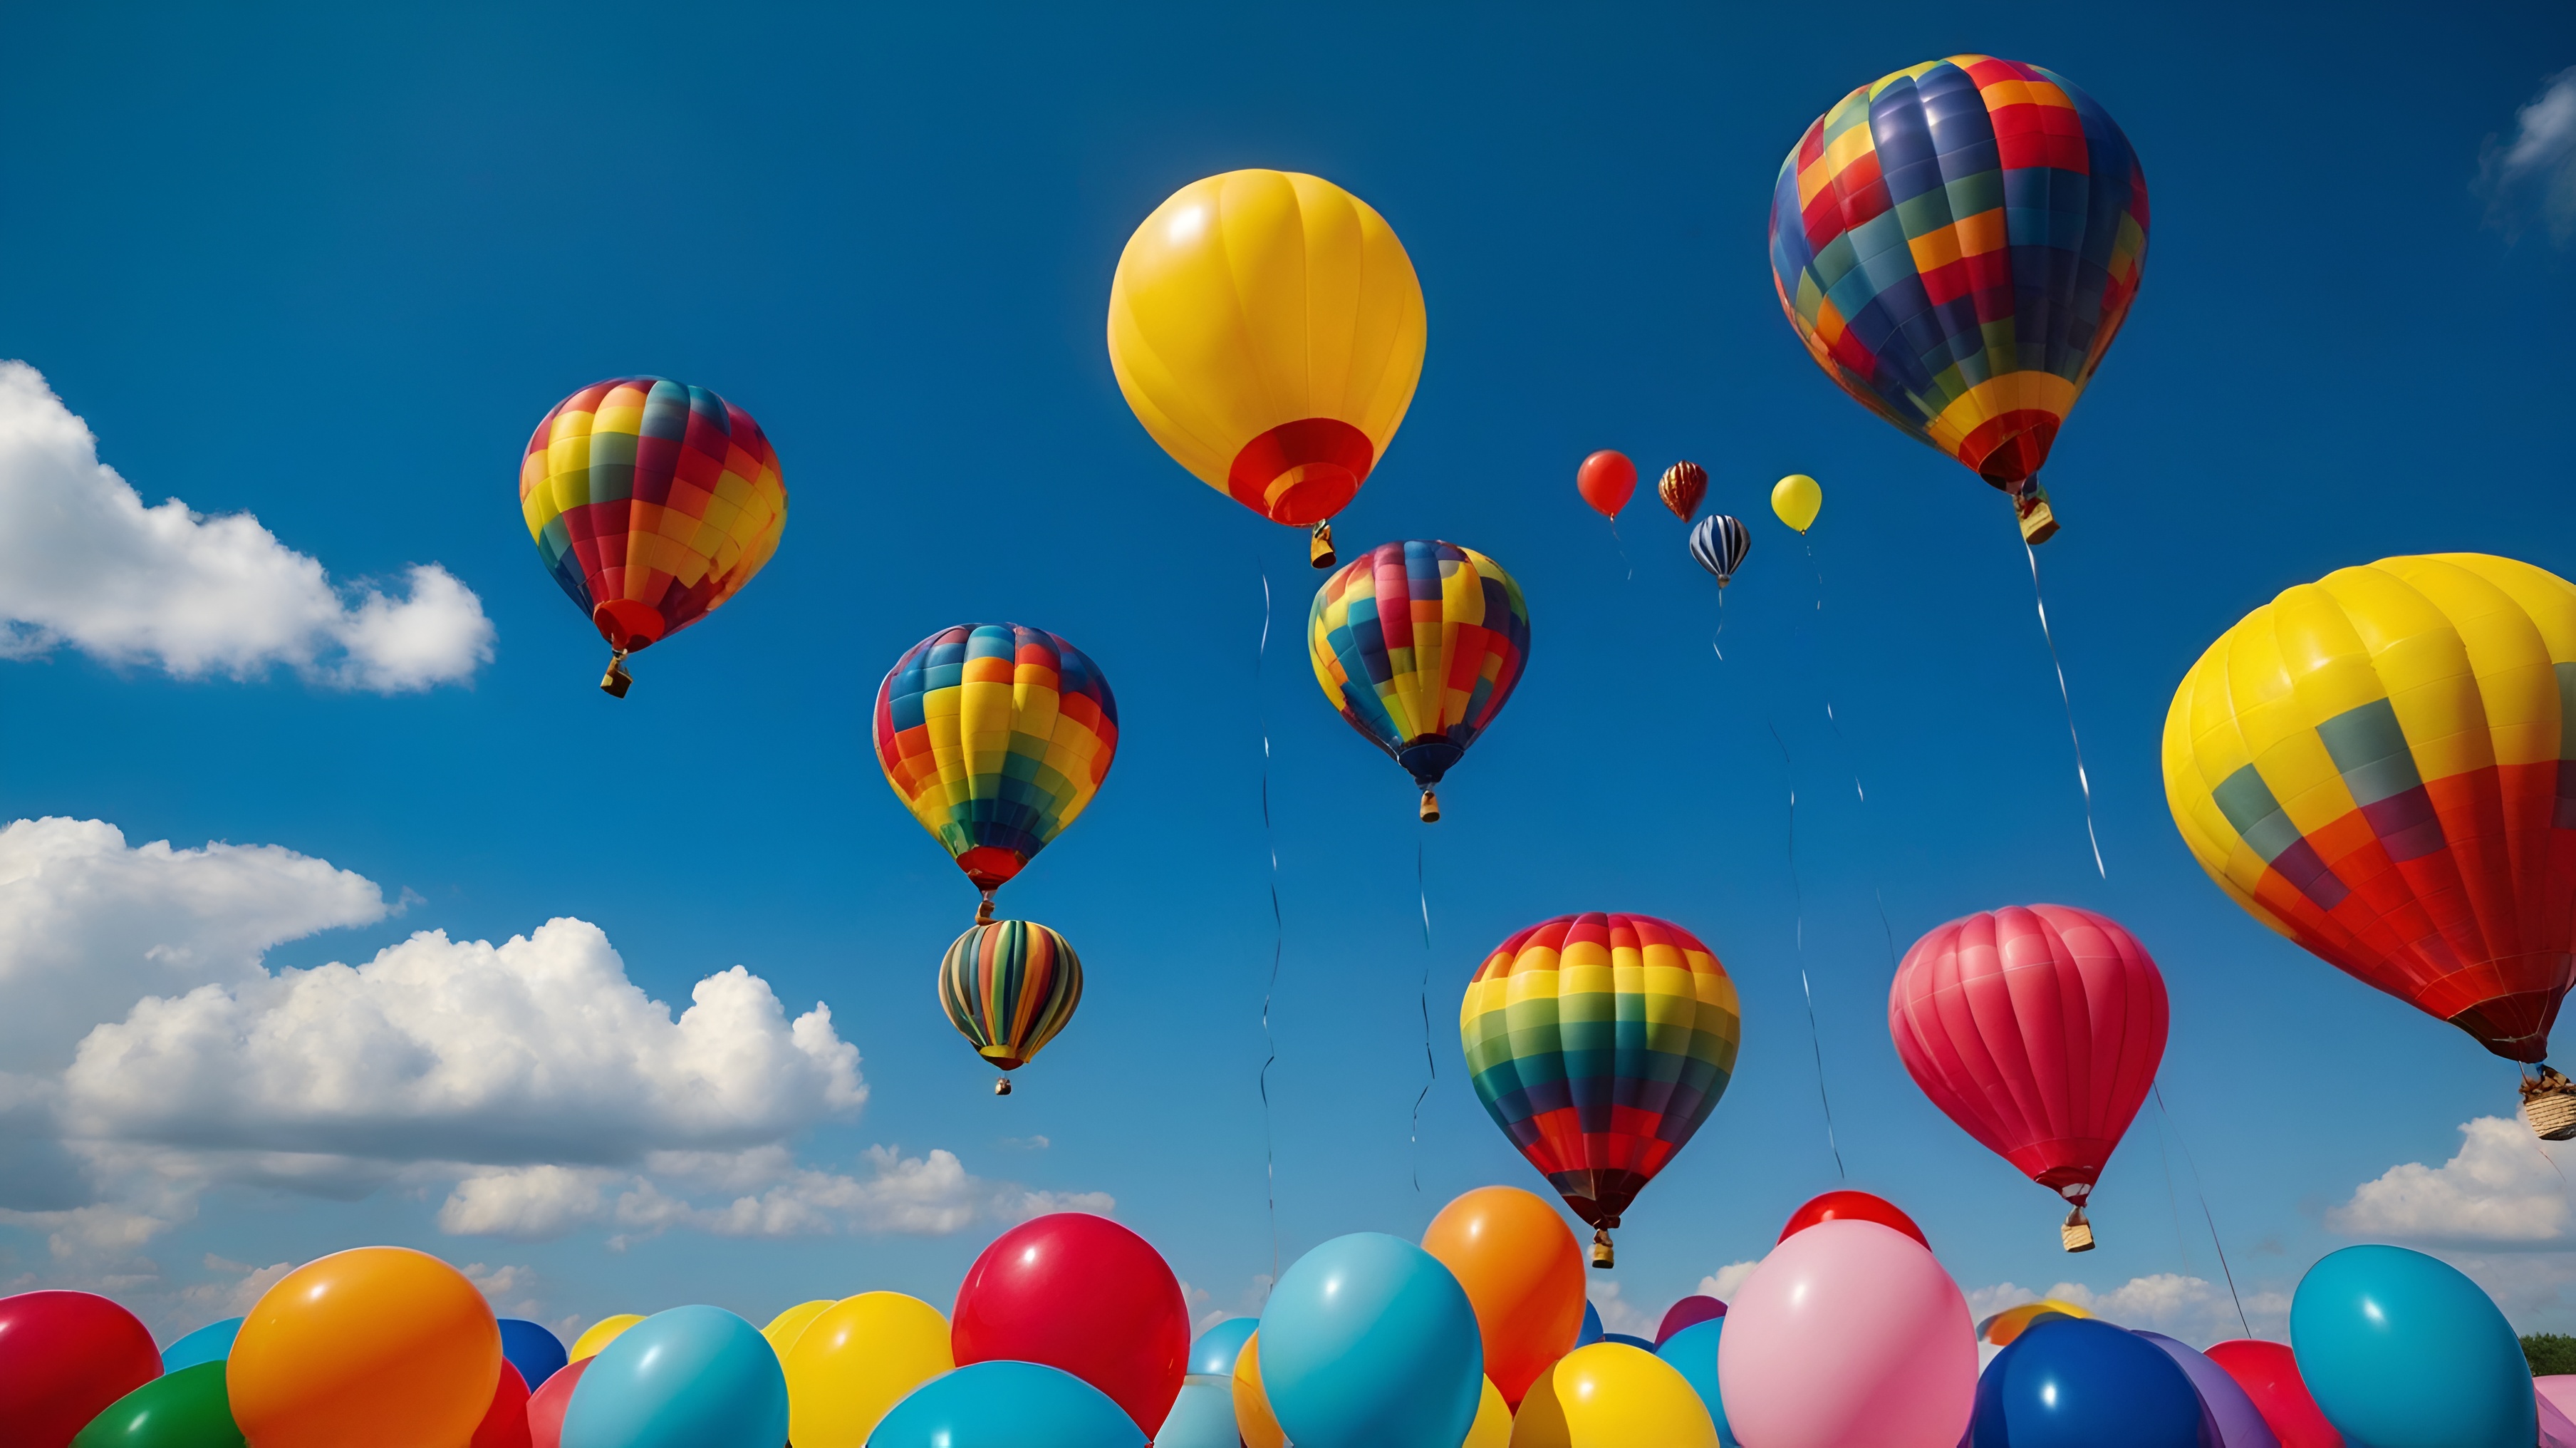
2381	765
651	502
2038	1029
1267	329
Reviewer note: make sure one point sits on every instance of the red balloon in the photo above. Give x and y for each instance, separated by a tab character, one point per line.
2270	1376
547	1405
505	1423
1084	1294
1689	1312
2038	1029
64	1356
1605	480
1851	1207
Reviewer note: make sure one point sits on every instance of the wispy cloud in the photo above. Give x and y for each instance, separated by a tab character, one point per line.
2533	175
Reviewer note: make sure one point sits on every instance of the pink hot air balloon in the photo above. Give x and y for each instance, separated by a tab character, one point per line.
2038	1029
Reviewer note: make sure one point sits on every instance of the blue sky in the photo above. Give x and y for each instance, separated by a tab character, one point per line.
329	269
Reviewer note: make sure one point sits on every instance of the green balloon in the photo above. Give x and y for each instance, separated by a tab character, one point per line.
185	1409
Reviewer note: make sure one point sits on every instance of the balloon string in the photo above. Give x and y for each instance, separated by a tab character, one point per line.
1278	932
1617	542
2173	1202
1430	1066
2082	781
1797	893
2188	1160
1721	624
1876	894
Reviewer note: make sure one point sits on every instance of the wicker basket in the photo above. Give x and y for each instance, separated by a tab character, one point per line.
2552	1115
2076	1232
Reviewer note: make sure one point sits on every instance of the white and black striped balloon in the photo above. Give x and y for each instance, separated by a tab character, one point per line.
1720	542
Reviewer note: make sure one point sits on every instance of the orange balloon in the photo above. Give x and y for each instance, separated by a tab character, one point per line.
1252	1416
1523	1272
381	1345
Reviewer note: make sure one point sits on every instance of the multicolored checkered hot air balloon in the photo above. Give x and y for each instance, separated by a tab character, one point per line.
1957	244
1008	987
1419	644
2381	765
996	737
651	502
1599	1043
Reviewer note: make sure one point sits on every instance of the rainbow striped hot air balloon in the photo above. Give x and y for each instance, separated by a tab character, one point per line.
1599	1043
996	737
1957	244
651	502
1419	645
1008	987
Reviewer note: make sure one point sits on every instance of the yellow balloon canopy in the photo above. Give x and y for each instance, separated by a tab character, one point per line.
1267	328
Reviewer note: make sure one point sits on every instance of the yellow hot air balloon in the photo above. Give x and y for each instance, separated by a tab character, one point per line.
1267	328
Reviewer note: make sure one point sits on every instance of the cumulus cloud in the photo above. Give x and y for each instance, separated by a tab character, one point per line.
2535	172
2503	1189
2190	1308
1723	1283
84	563
1620	1315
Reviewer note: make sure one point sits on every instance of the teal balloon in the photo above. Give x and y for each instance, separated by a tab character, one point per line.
211	1343
1004	1404
1693	1353
1202	1416
2402	1350
1369	1342
692	1377
1219	1346
186	1409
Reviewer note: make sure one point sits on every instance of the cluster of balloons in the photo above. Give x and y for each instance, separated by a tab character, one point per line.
1717	542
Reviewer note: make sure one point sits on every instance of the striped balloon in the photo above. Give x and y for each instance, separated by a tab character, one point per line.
996	737
1419	645
1008	987
1720	541
651	503
1599	1043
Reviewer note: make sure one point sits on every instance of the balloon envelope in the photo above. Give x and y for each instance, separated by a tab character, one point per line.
783	1330
1796	499
2000	1329
1081	1293
2269	1374
2068	1383
547	1405
1617	1396
378	1345
1215	1350
2230	1418
1848	1332
64	1357
1682	486
1718	543
1004	1404
856	1360
211	1343
1252	1416
1523	1273
185	1408
1419	645
1689	1312
601	1333
1369	1342
689	1377
1839	1206
1693	1353
505	1418
2402	1350
533	1349
1008	987
1605	479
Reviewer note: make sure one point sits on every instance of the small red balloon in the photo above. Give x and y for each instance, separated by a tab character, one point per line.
2270	1376
1605	480
64	1357
1851	1207
1689	1312
552	1399
1083	1294
505	1423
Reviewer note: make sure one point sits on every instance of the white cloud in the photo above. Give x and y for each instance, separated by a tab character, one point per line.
2503	1189
1722	1283
1622	1316
83	562
2536	170
526	1202
2190	1308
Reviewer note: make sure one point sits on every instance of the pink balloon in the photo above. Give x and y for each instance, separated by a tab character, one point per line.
2554	1395
2558	1389
1849	1335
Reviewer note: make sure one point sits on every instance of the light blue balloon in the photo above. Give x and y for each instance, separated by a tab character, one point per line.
211	1343
1219	1346
1369	1342
1693	1353
1202	1416
692	1377
1005	1405
1591	1327
2402	1350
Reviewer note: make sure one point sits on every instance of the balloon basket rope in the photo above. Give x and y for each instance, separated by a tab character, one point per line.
2549	1106
616	681
2076	1232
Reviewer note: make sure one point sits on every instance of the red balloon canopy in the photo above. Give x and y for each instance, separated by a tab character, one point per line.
1605	480
1847	1206
2270	1376
1084	1294
2038	1029
64	1357
552	1399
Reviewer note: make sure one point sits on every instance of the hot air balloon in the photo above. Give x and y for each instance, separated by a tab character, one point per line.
1008	987
651	502
2376	765
995	736
1267	329
1720	542
2038	1030
1599	1043
1957	244
1419	644
1684	484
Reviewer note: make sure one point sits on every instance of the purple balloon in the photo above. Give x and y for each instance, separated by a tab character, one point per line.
2229	1419
1689	1312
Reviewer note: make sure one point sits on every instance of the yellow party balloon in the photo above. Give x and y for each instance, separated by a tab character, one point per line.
1617	1396
1252	1416
1493	1425
1796	498
1267	329
786	1327
381	1345
856	1360
601	1334
1540	1423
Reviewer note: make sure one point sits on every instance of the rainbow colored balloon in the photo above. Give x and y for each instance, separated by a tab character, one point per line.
1419	644
996	737
651	503
1008	987
1957	244
1599	1043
